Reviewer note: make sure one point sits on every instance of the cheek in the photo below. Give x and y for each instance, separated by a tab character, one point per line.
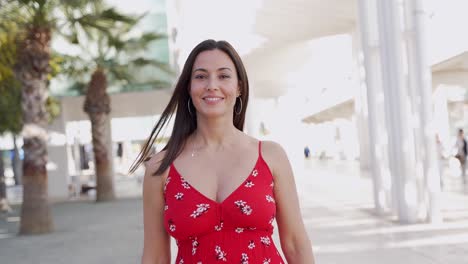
195	90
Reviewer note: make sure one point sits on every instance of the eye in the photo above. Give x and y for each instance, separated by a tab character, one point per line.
199	76
224	76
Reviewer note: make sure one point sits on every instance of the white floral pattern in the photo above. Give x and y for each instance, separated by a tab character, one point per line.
201	209
270	199
249	184
185	184
194	246
244	259
172	226
255	173
219	227
244	207
179	196
168	179
220	254
265	241
251	244
239	230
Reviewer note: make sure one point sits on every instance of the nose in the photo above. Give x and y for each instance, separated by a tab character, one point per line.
212	84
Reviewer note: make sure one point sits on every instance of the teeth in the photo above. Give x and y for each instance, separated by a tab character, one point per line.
212	99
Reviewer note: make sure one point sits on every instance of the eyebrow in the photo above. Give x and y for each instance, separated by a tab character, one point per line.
204	70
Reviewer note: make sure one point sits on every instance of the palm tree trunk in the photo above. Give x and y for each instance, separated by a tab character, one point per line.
32	70
97	105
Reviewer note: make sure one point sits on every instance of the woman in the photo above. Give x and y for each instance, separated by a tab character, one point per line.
214	189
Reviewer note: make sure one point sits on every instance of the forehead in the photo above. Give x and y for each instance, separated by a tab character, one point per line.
213	60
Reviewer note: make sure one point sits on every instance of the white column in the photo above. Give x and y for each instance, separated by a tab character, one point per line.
371	80
57	167
362	125
415	106
397	106
360	109
421	80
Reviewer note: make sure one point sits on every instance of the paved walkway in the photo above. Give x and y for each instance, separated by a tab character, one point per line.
336	203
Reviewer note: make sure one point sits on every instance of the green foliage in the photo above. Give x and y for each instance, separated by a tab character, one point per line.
10	106
10	91
107	40
12	31
52	108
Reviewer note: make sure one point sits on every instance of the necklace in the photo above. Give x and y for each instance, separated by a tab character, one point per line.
193	149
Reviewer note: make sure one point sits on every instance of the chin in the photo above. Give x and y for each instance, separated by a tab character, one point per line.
214	113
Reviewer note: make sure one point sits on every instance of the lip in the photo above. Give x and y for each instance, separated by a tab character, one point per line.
212	96
212	99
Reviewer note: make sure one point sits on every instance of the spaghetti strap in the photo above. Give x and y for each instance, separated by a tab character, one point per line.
260	148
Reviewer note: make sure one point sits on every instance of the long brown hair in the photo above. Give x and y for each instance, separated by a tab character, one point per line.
186	122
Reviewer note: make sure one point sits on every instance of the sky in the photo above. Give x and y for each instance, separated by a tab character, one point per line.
446	28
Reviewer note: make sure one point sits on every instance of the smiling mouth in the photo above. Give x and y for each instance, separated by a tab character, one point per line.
213	99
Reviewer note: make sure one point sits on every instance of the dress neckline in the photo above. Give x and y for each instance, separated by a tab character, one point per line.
220	203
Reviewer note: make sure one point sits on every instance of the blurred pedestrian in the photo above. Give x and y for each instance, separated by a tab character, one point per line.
306	152
441	159
461	153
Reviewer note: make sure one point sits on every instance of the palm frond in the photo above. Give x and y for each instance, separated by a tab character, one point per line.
115	42
112	14
24	2
74	4
153	84
142	42
121	73
75	67
103	20
142	62
70	35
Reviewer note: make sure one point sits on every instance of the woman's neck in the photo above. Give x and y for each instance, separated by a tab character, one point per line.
214	135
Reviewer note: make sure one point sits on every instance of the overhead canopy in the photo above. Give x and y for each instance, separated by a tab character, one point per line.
341	110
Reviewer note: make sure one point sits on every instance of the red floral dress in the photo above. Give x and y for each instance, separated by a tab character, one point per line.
236	230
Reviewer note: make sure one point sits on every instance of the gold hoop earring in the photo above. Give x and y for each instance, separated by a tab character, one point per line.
240	110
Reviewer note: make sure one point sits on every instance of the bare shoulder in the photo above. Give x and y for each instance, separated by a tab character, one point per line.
272	149
275	156
152	165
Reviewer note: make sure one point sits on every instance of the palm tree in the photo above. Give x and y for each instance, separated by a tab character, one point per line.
33	69
11	121
114	58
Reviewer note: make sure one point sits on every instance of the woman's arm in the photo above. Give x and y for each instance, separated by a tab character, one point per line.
156	249
295	243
